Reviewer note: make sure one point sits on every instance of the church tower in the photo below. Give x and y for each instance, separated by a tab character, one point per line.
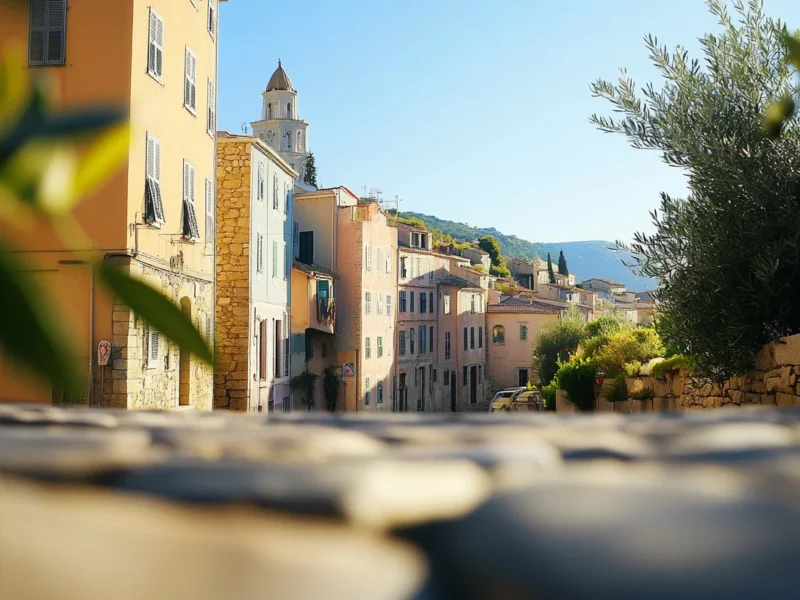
280	126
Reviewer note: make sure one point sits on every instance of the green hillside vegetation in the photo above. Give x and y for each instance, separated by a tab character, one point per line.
595	258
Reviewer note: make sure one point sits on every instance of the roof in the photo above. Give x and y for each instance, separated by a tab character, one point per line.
608	281
473	270
527	304
312	269
280	80
523	308
454	281
476	250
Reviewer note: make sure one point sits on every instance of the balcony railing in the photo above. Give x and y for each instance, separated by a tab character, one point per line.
326	310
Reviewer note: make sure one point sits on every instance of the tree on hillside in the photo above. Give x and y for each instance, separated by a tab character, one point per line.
551	276
310	176
489	244
726	256
562	263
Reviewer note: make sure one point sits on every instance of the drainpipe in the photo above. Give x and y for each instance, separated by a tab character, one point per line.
91	337
358	377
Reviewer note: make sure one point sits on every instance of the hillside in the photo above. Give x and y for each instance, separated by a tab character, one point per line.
585	259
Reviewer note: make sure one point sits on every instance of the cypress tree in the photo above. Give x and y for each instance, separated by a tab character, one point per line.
562	263
550	269
310	176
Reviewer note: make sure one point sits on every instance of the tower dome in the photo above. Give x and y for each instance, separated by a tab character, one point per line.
279	80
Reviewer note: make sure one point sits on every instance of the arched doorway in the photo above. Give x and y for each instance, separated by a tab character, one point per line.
184	363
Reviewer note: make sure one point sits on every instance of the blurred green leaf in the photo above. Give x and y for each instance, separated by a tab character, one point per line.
792	50
100	161
776	116
29	333
157	310
13	85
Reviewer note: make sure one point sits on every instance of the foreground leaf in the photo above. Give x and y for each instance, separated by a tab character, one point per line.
28	332
101	160
792	50
156	309
13	85
776	116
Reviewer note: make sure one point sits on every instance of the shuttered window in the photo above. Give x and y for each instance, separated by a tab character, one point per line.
212	109
190	81
152	347
190	228
47	33
210	211
212	17
262	350
275	199
155	46
260	182
259	253
154	205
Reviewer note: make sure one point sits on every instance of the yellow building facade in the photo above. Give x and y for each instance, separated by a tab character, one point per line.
155	216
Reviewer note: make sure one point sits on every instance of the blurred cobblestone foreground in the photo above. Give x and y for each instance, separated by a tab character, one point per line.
123	505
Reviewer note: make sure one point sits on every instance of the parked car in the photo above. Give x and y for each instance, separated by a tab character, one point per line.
508	393
523	400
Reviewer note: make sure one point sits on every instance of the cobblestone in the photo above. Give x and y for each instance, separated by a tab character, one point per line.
183	504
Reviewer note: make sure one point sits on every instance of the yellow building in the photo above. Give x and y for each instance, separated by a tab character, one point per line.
155	217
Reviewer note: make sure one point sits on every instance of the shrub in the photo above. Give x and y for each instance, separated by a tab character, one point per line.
617	392
626	350
576	377
555	342
549	396
646	393
671	365
604	327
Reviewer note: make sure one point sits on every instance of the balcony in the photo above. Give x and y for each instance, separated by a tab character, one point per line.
326	313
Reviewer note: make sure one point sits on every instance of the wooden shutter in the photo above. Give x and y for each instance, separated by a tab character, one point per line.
212	108
212	17
209	190
151	158
38	32
155	45
190	80
56	22
190	227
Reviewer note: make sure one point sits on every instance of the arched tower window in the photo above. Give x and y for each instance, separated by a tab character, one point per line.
289	140
299	141
288	110
269	110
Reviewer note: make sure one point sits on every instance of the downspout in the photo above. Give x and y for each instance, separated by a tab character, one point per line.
91	337
358	376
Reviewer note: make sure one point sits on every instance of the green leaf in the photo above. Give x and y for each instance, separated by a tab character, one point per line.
776	116
156	309
792	50
101	161
28	333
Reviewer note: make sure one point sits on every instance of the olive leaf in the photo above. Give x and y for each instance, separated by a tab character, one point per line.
776	116
103	158
29	333
792	50
156	309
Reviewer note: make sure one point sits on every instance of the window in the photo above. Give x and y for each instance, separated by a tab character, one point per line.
411	302
379	260
212	17
480	337
367	349
260	182
190	81
274	259
388	305
295	240
430	336
277	326
262	350
366	391
47	35
465	338
259	253
152	350
380	393
411	341
423	302
210	212
155	46
275	199
472	338
499	335
401	342
472	303
154	206
403	268
431	308
367	302
380	303
446	304
379	344
388	261
423	339
447	378
367	258
523	332
402	308
447	346
211	115
191	231
306	249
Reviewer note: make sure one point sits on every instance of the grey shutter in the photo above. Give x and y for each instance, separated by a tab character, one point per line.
190	227
155	202
56	22
38	32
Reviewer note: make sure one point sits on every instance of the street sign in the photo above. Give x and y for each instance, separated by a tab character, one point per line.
103	352
348	370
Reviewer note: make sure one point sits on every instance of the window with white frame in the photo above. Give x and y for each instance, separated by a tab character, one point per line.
259	253
190	229
380	304
368	258
388	261
211	114
379	344
212	17
275	199
388	305
190	81
366	391
260	182
446	304
367	349
367	303
152	347
47	33
380	393
154	205
155	46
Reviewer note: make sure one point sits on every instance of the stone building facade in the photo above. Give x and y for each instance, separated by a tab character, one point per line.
253	317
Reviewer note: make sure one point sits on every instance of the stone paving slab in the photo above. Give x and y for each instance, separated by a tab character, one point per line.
116	504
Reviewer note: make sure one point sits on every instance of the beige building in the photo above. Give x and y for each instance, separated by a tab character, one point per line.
254	207
155	217
513	326
416	341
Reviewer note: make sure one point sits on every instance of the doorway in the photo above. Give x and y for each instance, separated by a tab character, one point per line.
184	362
523	378
403	393
421	396
453	401
473	385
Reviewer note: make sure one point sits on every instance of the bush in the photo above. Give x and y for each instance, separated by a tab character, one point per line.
617	392
549	396
671	365
555	342
626	350
577	377
604	327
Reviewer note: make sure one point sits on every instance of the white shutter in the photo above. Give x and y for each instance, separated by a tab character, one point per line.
212	109
155	46
190	81
155	343
212	17
185	181
209	212
159	46
151	160
191	184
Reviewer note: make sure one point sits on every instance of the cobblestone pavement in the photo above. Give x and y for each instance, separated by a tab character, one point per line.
122	505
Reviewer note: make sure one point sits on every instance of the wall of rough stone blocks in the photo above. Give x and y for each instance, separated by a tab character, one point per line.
233	276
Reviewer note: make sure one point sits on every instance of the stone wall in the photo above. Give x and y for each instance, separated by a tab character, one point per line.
233	274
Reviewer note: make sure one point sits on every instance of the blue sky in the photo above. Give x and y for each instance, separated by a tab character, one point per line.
473	112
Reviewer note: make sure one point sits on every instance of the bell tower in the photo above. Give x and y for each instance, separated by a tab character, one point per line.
280	125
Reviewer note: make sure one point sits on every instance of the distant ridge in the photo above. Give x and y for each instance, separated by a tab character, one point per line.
594	258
